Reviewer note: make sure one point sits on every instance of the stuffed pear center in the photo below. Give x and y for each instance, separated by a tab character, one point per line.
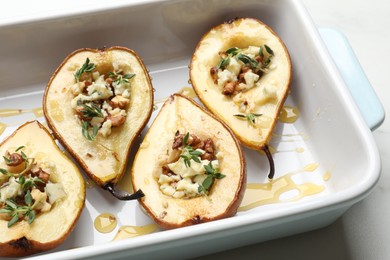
101	98
240	70
28	187
193	169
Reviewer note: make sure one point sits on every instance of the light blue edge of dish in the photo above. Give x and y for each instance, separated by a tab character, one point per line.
351	71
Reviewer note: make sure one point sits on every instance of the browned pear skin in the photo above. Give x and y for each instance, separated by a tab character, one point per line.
184	114
104	160
51	228
243	33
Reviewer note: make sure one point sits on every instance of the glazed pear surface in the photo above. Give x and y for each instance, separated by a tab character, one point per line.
100	148
178	119
241	71
49	227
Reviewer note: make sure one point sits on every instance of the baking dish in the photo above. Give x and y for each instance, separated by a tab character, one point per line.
331	132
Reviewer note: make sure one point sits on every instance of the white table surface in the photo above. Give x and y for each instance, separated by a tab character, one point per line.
364	231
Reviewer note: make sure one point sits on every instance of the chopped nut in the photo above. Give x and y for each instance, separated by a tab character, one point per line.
14	159
109	80
117	120
178	141
229	88
214	74
209	150
165	170
119	102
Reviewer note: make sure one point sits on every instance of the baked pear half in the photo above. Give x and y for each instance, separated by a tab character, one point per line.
190	166
241	71
42	192
96	103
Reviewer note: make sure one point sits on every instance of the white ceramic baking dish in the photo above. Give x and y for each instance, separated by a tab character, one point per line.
330	145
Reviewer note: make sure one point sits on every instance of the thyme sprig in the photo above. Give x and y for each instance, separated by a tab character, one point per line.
86	67
189	152
251	117
17	212
248	60
28	183
119	78
91	110
212	174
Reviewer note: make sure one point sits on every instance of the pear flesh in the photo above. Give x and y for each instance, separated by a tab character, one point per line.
180	117
241	71
50	226
96	103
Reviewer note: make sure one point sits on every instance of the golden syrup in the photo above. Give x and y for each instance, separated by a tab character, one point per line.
271	149
105	223
125	183
38	112
144	144
133	231
188	92
258	194
57	113
311	167
89	184
10	112
288	114
327	176
301	135
297	150
160	101
2	127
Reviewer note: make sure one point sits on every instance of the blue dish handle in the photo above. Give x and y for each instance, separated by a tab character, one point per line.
354	76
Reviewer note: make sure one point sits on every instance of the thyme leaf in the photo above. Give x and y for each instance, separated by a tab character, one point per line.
4	171
86	67
269	50
85	125
185	138
7	160
19	148
223	63
233	51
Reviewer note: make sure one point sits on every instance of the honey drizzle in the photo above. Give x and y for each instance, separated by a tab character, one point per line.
38	112
125	183
188	92
133	231
258	194
288	114
105	223
2	127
